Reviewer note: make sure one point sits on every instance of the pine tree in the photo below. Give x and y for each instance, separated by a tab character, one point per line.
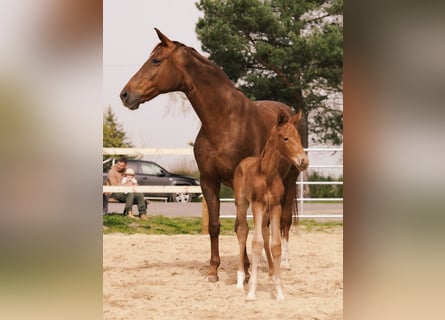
114	135
285	50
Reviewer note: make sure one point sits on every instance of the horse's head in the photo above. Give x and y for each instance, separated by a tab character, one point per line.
161	73
288	140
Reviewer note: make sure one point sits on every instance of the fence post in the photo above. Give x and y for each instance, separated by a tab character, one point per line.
205	217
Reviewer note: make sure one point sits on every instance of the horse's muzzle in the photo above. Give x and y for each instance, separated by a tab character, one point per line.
131	103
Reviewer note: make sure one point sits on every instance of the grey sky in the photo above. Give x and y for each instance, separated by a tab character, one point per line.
128	38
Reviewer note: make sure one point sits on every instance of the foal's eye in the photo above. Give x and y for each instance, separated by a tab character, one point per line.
286	139
155	61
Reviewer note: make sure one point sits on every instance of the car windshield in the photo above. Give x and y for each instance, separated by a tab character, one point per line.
151	168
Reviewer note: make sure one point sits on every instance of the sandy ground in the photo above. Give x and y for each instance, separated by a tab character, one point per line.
165	277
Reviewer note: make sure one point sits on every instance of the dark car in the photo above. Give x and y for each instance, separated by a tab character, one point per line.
152	174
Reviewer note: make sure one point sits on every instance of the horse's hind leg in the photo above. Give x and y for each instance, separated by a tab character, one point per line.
242	230
288	205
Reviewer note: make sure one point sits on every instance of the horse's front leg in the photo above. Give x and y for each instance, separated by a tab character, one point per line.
288	205
210	189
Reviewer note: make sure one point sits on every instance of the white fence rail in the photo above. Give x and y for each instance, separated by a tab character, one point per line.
302	183
153	189
197	189
145	151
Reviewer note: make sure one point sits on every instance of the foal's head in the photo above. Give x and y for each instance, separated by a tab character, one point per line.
161	73
288	141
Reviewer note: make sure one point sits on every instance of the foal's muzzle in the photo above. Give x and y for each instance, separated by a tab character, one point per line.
301	162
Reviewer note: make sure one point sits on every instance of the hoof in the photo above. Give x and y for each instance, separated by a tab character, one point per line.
285	265
280	297
250	297
213	278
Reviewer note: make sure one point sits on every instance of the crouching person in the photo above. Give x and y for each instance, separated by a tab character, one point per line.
120	175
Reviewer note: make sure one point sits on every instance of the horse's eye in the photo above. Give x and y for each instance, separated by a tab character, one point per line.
286	139
155	61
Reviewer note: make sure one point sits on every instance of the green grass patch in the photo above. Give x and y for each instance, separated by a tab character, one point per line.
321	201
159	224
313	225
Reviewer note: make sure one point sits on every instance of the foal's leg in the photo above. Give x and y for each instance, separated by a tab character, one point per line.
288	205
257	246
265	258
242	230
276	250
266	251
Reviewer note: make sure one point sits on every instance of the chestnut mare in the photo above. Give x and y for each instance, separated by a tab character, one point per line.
233	127
257	182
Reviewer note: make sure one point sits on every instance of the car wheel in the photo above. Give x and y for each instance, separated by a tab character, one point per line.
182	197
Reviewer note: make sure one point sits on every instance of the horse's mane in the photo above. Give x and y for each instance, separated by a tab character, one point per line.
269	141
204	60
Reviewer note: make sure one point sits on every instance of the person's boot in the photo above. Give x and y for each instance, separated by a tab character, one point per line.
130	214
143	216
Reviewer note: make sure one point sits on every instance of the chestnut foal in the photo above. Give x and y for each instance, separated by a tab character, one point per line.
257	181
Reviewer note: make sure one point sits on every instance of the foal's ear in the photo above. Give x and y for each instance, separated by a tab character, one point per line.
296	117
282	118
166	41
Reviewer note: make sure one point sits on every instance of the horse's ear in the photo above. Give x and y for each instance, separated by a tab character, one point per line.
166	41
296	117
282	118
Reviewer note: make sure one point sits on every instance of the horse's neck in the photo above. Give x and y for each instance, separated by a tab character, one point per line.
269	158
210	92
207	104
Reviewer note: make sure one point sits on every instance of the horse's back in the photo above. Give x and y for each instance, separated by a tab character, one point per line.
259	119
273	108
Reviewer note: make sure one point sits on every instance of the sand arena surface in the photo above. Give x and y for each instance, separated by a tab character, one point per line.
165	277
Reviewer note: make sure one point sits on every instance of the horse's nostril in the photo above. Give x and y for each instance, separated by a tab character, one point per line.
124	95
